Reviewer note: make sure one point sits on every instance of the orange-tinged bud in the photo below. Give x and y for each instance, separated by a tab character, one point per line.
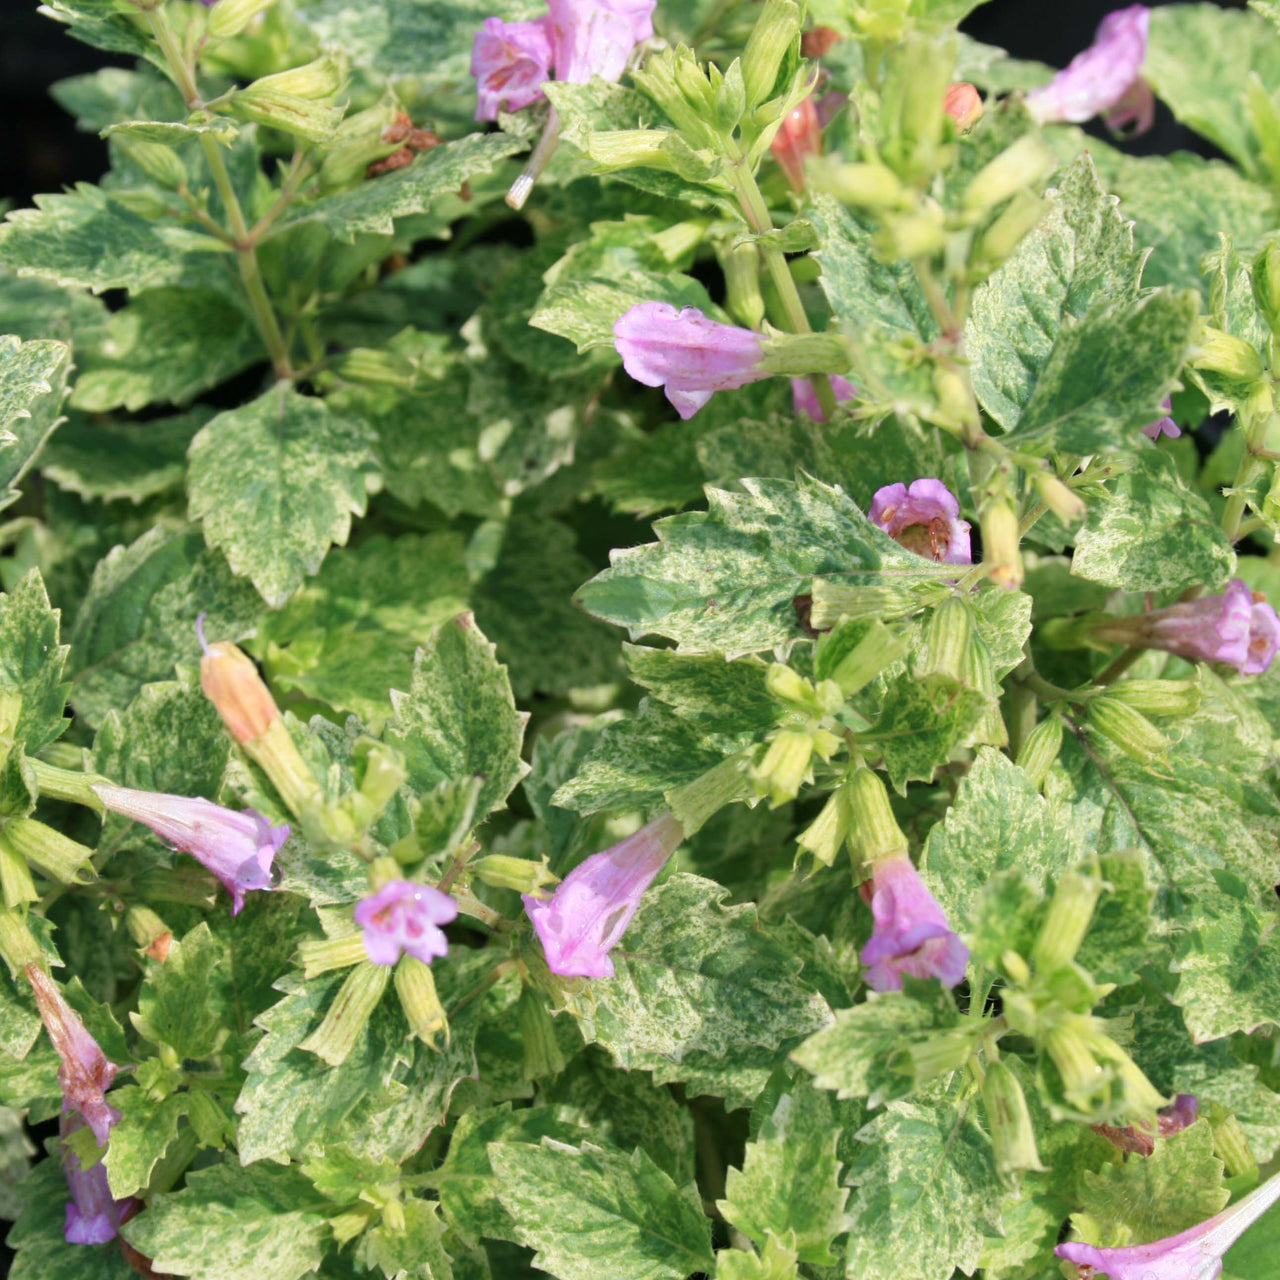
818	42
962	103
232	683
800	136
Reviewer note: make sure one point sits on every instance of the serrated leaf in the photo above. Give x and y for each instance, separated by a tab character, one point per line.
581	1209
789	1180
416	1249
166	347
33	383
926	1186
694	976
458	718
231	1223
725	579
276	482
349	636
33	308
372	207
31	663
140	1138
100	23
181	1002
922	720
1152	532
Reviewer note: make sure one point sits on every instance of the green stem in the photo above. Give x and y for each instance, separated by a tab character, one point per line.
759	220
1120	665
1249	467
246	254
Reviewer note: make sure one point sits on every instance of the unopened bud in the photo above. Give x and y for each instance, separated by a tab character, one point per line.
675	81
149	932
962	103
15	876
914	235
230	17
311	118
1159	697
1009	1121
856	652
49	851
799	137
416	987
543	1056
161	164
873	830
333	1040
1040	749
231	682
1063	501
323	955
775	34
521	874
823	837
1128	729
1064	927
1021	165
866	186
940	1054
786	766
743	298
321	78
1083	1080
950	636
1006	233
1229	1142
1224	353
1016	967
1000	539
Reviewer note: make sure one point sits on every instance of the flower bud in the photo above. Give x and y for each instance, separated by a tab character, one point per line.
949	639
543	1056
1024	164
321	78
231	682
1063	501
786	766
1000	538
1064	927
161	164
1159	697
360	140
333	1040
867	186
1083	1080
743	298
15	876
322	955
1009	1121
874	833
940	1054
919	234
521	874
1266	285
416	987
1006	233
49	851
149	931
1229	1142
676	82
775	34
1128	729
854	654
962	103
1040	749
310	118
799	137
1224	353
823	837
230	17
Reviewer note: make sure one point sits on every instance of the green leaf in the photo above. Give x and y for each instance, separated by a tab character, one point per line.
350	635
33	383
231	1223
37	309
1253	1257
87	237
121	461
726	578
595	1207
926	1188
417	1249
863	1054
276	482
789	1180
1195	49
182	1002
140	1138
777	1262
166	347
372	207
459	718
694	976
137	620
1081	255
1146	1198
999	822
31	662
1153	532
101	23
922	721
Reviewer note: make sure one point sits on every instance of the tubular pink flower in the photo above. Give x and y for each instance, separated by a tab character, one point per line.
405	917
1195	1254
925	518
1163	426
1173	1119
93	1214
799	136
592	907
1103	80
511	61
686	353
596	37
237	847
911	933
84	1073
805	400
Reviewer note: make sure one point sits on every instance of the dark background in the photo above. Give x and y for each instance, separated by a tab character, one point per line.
40	149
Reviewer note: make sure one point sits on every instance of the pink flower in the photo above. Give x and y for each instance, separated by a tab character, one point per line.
799	135
911	933
237	847
84	1073
1173	1119
805	400
1236	627
925	518
596	37
1163	426
405	917
510	61
592	907
93	1214
1105	78
685	352
1195	1254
